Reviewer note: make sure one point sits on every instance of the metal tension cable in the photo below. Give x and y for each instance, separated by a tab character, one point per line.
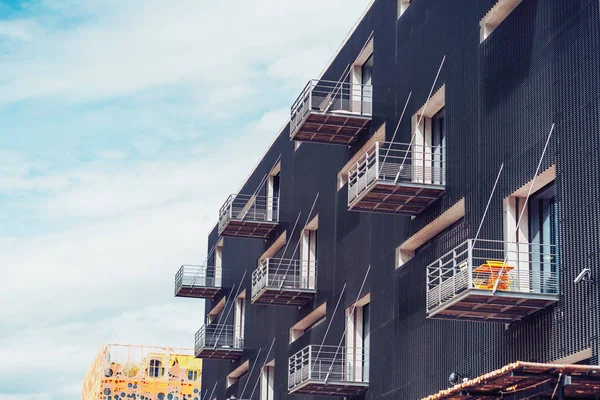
420	119
346	328
537	171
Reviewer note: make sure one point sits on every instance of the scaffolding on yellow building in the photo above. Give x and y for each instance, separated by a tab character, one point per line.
123	372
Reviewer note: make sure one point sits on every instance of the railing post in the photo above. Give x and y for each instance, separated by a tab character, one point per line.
454	273
310	366
376	161
470	262
440	281
266	267
310	94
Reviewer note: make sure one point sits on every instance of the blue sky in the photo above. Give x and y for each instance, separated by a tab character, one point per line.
123	127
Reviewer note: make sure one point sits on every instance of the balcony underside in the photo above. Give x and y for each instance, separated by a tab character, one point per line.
321	388
219	353
197	292
481	305
248	229
284	296
331	128
401	198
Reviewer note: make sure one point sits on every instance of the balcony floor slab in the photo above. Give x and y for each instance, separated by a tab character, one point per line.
219	353
284	296
502	307
248	229
341	128
402	198
197	292
321	388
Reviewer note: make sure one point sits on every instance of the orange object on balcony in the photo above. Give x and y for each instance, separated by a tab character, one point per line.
487	274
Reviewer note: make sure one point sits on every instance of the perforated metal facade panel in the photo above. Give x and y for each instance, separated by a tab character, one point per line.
540	66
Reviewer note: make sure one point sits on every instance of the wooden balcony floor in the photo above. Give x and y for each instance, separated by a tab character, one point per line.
320	388
481	305
284	296
332	128
248	229
401	198
197	292
219	353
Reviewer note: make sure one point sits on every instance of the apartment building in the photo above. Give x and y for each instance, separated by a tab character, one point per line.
427	224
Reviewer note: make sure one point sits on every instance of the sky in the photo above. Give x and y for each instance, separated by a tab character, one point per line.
124	125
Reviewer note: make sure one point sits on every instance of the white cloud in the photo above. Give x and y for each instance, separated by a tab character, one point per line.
20	30
112	280
128	223
209	45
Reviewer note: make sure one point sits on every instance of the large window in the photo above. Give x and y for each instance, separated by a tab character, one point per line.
193	374
308	254
358	339
438	141
533	246
361	79
543	234
239	320
367	81
273	192
428	150
156	369
267	381
218	265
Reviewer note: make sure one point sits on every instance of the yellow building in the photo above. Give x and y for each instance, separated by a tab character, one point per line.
124	372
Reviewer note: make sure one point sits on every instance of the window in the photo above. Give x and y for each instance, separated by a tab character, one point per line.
495	16
273	193
308	254
428	150
533	245
316	317
239	320
358	339
267	381
192	375
426	235
218	264
402	6
156	369
361	91
237	373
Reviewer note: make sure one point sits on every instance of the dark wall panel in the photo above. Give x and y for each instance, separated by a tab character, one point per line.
539	67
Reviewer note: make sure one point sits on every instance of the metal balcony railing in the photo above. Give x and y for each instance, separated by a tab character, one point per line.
219	336
284	274
330	97
397	164
511	268
249	209
328	365
197	277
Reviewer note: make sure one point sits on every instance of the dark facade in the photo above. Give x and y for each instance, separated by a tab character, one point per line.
540	66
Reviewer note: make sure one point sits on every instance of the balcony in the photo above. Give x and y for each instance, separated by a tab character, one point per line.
218	342
331	112
328	371
284	282
492	281
397	178
249	216
199	282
